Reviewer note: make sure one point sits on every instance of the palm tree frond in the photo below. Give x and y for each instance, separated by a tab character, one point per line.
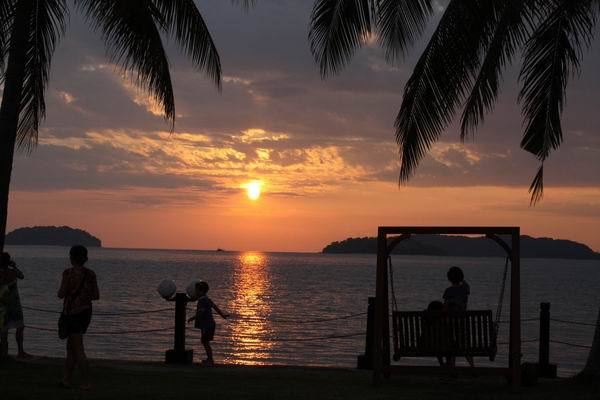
552	55
129	29
537	186
184	20
400	23
513	26
6	21
337	29
46	26
442	76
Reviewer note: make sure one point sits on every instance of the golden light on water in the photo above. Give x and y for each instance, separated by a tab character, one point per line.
252	285
254	189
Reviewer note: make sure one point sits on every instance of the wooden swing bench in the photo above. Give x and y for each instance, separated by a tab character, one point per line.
432	334
417	334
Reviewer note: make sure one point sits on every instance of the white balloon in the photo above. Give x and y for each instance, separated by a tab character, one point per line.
191	289
167	289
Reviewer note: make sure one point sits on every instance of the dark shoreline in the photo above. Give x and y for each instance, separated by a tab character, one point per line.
38	378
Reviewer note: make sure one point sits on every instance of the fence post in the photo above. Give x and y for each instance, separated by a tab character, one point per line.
365	361
179	355
545	369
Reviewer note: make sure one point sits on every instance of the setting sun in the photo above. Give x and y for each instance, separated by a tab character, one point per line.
253	190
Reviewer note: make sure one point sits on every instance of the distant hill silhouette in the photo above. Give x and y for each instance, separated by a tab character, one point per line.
463	246
51	236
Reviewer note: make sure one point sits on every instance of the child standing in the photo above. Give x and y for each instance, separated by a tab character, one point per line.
205	321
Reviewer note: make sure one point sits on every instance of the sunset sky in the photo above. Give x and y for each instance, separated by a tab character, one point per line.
324	150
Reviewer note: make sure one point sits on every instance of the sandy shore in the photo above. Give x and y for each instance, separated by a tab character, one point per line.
38	378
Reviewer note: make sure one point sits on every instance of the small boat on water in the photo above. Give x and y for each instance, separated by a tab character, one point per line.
220	249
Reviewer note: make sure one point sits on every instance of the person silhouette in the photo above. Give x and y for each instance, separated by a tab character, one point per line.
456	298
78	289
205	321
12	311
432	328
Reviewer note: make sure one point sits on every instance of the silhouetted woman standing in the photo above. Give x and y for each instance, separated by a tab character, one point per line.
78	289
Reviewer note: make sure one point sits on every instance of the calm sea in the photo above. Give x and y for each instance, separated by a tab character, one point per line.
284	305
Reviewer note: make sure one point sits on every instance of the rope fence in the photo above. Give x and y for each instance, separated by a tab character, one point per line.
280	339
234	316
103	313
522	341
298	321
241	318
564	321
318	338
39	328
307	339
506	321
582	346
285	320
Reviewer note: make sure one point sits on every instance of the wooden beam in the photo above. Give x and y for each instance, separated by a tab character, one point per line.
449	230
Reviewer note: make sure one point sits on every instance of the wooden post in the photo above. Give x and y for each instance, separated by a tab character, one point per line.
386	360
365	361
515	311
544	334
180	304
380	306
545	369
179	355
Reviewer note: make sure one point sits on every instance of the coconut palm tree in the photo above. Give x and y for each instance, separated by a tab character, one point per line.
460	70
132	31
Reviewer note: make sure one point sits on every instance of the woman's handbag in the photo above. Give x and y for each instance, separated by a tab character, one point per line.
63	319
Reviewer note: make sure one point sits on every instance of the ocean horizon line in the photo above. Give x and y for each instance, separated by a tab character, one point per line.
299	252
218	250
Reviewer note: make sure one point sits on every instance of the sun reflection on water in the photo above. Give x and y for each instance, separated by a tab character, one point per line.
251	305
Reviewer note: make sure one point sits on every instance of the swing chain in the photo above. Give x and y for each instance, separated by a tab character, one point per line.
392	289
501	296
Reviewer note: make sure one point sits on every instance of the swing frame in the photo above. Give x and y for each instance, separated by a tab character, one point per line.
382	366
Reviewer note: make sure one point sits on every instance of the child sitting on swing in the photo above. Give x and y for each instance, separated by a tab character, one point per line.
432	326
456	298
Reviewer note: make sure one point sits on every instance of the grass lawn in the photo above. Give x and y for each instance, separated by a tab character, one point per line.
37	379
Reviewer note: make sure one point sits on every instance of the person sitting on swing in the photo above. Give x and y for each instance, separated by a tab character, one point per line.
456	298
432	326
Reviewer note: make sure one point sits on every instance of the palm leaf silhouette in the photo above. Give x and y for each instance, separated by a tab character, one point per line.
338	28
552	55
462	65
441	78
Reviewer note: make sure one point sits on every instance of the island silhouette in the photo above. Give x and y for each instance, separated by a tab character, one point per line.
51	236
464	246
